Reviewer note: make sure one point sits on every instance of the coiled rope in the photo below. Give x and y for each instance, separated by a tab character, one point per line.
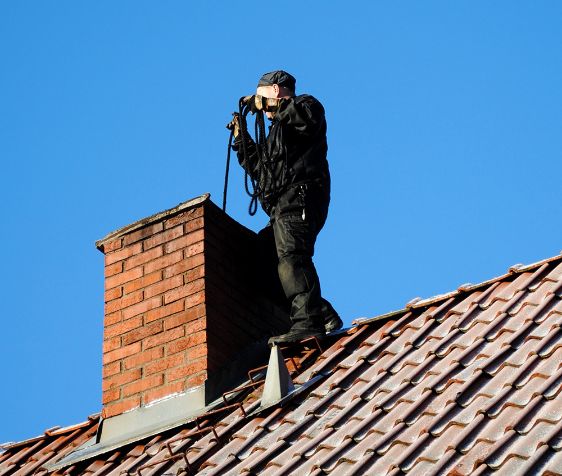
255	192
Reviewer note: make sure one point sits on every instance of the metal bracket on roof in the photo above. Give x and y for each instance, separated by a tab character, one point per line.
279	388
278	382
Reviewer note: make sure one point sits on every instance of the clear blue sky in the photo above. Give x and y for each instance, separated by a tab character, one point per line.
445	145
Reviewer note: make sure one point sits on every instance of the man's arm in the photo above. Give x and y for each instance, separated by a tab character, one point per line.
304	113
249	162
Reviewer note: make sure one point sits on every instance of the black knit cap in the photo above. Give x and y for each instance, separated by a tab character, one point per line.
281	78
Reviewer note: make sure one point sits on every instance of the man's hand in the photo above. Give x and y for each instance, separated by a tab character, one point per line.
234	125
261	103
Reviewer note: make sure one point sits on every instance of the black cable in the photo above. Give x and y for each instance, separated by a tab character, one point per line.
227	170
262	157
243	113
261	150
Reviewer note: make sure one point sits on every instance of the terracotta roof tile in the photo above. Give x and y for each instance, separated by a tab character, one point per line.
384	463
468	462
467	383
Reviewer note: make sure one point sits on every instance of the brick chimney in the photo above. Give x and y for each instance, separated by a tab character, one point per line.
181	305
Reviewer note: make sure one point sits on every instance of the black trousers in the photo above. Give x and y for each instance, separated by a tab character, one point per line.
287	247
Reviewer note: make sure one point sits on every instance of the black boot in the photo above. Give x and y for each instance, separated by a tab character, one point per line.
295	336
299	331
332	321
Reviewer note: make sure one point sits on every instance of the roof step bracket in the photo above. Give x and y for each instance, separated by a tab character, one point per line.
278	382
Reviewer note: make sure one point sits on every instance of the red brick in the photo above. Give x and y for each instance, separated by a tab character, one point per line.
189	341
184	241
184	216
195	212
141	307
163	311
142	333
124	302
194	249
197	352
121	379
122	278
143	233
121	406
143	281
143	258
114	293
196	326
160	238
122	327
196	380
180	218
113	269
194	274
195	299
185	265
163	286
111	369
111	344
142	385
193	225
143	357
163	261
186	370
185	317
111	395
113	245
163	364
163	337
161	392
121	353
110	319
184	291
123	253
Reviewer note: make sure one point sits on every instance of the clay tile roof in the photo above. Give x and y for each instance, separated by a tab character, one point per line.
464	383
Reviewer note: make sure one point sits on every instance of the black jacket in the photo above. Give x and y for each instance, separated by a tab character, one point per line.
296	149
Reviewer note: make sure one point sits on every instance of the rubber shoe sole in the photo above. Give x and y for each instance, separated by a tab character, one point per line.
294	336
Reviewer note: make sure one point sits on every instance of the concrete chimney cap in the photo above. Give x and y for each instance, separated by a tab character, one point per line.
152	218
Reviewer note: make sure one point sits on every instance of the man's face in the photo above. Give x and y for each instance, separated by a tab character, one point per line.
266	91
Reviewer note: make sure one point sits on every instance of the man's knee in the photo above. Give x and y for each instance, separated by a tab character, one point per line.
297	274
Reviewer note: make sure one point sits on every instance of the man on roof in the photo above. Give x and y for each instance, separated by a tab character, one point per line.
293	180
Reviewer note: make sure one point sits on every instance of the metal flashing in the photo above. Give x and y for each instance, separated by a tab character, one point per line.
167	413
140	423
154	417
